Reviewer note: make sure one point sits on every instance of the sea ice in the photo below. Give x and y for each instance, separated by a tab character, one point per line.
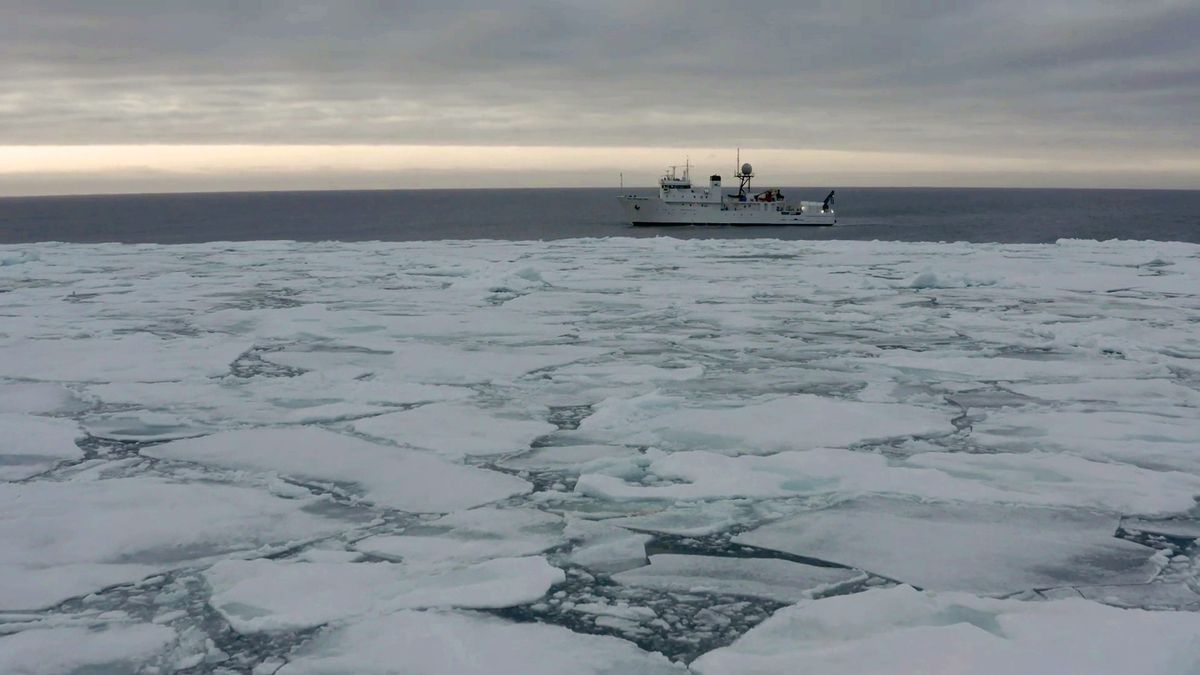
139	357
958	416
991	367
441	364
768	578
1177	595
983	549
605	548
470	536
693	519
1058	479
1155	441
707	475
39	398
1031	478
68	539
436	643
455	430
568	459
1182	528
902	630
608	374
795	422
164	410
76	649
268	595
1148	394
30	445
400	478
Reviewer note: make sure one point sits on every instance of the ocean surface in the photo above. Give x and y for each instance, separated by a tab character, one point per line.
900	214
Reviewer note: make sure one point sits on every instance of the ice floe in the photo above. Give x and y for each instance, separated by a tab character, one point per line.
64	539
1064	480
1036	478
988	550
267	595
433	643
30	444
140	357
396	477
605	548
75	649
441	364
762	577
146	411
39	398
901	630
455	430
792	423
569	459
470	536
1153	440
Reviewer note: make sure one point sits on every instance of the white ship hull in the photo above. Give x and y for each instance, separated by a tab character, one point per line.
657	212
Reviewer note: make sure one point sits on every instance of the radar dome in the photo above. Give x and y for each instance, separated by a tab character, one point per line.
747	169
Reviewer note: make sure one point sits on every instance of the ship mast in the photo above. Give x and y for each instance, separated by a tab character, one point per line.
743	172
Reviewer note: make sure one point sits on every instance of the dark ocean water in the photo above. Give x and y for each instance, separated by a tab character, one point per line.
903	214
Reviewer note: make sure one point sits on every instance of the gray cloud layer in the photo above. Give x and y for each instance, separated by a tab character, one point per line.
1090	79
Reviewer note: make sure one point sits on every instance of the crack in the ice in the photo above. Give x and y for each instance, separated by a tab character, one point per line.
250	363
684	625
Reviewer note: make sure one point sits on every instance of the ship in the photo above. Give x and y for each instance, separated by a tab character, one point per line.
679	202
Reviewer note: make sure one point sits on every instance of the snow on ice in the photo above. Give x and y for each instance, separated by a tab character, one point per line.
63	539
758	577
902	630
73	649
39	398
634	456
396	477
30	444
470	536
798	422
265	595
455	430
437	643
980	549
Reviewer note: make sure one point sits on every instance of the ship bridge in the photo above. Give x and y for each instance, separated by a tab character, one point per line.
677	189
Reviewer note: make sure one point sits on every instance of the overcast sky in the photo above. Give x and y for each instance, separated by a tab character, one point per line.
290	94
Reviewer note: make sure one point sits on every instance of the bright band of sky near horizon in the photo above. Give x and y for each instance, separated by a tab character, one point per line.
300	158
419	166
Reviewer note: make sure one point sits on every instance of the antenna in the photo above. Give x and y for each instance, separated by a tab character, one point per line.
743	172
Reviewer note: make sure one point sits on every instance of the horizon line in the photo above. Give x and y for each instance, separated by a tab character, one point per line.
164	193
